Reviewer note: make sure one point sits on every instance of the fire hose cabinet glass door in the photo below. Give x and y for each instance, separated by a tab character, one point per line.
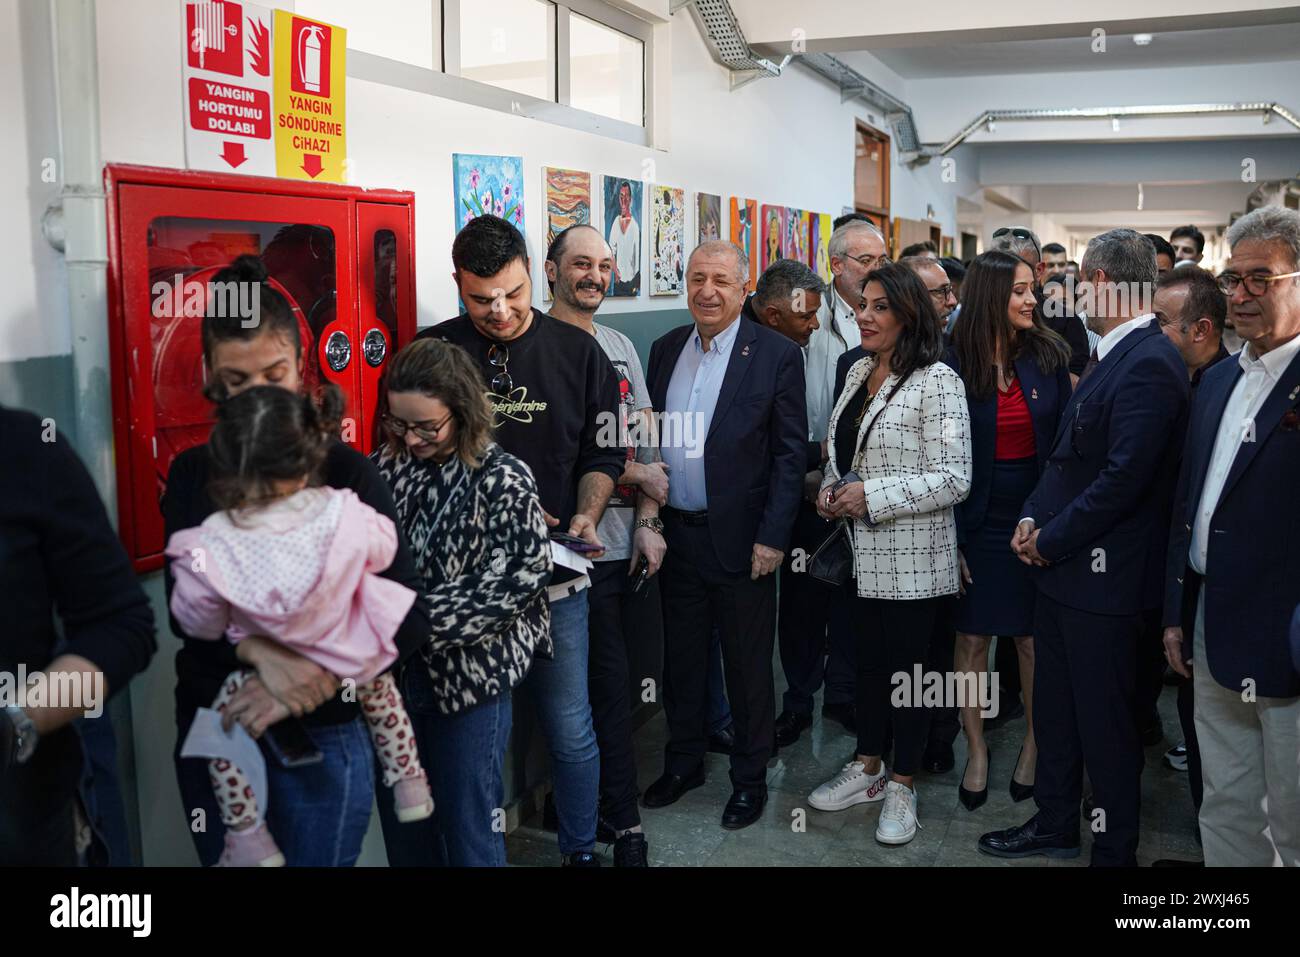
173	242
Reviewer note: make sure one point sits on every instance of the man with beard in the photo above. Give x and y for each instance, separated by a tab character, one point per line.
578	267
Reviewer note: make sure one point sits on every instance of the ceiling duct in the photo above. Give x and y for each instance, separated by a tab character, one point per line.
718	24
853	85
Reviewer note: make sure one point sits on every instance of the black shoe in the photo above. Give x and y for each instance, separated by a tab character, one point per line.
938	758
604	833
1017	710
1027	840
844	714
973	799
582	859
1019	792
721	742
789	725
744	808
630	850
670	787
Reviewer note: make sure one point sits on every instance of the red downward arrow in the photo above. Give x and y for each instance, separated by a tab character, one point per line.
233	153
311	164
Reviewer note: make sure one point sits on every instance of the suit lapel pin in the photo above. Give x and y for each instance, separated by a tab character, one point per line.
745	351
1033	393
1295	392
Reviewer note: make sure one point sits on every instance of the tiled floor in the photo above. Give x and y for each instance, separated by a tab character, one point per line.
791	833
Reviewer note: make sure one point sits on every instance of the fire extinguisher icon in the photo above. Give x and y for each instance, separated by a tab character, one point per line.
309	57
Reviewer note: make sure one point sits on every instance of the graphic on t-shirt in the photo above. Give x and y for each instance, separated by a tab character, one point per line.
624	495
516	406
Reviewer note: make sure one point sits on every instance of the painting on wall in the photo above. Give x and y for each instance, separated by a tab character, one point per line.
744	215
623	198
568	203
796	235
773	238
708	217
668	241
819	241
488	186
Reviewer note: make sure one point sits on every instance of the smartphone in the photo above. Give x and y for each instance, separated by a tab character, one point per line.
643	574
844	480
575	544
290	745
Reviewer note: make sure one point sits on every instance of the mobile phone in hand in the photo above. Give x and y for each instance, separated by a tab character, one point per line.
844	480
290	745
643	575
575	544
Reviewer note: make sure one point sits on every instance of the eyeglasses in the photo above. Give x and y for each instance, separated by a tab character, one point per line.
941	294
1256	282
1020	233
498	356
867	261
399	427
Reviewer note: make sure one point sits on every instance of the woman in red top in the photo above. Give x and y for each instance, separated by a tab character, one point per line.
1017	384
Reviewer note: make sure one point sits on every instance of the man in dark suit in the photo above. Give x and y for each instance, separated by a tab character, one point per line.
733	433
1233	567
1096	527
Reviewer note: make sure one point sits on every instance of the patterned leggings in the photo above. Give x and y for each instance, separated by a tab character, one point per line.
390	732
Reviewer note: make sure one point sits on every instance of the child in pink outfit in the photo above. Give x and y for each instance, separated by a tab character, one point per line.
295	562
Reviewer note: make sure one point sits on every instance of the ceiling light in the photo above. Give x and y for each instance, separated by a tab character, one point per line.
1142	39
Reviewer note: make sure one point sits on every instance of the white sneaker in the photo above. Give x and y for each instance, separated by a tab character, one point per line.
898	822
851	786
1176	758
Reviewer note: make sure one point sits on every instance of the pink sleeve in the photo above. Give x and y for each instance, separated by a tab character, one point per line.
199	609
383	542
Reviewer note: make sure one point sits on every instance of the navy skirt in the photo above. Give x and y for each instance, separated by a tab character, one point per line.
1000	598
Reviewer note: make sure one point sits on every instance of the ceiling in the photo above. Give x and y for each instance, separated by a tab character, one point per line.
1248	44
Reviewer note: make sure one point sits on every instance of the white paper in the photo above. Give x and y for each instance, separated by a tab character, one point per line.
207	739
569	558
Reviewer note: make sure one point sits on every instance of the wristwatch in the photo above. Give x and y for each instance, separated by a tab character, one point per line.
25	735
654	524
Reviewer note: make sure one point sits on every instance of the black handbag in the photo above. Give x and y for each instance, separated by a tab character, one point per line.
832	563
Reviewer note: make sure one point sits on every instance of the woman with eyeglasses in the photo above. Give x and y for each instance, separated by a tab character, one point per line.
471	513
1017	379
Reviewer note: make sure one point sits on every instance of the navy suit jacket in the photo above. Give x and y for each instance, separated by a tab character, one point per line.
755	453
1104	498
1252	580
1046	395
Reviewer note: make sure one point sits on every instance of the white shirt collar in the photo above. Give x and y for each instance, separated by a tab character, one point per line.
1111	339
722	341
1274	363
840	308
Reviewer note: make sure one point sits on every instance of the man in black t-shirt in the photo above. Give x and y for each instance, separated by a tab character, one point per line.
555	401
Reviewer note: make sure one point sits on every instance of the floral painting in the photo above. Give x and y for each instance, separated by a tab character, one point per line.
488	186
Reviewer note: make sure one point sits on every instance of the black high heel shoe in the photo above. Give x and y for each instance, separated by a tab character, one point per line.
973	799
1019	792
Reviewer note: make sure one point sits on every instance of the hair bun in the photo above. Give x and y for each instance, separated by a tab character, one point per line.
245	268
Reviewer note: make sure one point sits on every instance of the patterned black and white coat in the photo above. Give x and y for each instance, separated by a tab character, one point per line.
480	543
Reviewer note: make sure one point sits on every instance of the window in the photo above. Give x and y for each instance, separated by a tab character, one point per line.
409	31
510	44
606	71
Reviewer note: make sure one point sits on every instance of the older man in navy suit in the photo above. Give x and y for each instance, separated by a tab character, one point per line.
733	434
1096	525
1234	566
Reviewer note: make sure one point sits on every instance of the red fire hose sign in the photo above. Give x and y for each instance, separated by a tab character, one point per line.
229	87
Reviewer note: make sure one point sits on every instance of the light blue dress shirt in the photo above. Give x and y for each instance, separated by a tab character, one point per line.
692	397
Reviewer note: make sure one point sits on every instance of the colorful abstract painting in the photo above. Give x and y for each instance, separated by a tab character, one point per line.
667	241
796	235
819	237
623	217
708	217
773	238
488	185
568	203
744	219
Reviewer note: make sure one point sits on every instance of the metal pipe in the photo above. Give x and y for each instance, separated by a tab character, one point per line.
75	222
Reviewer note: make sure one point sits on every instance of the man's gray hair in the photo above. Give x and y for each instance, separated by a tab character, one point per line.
781	279
1269	224
839	243
719	245
1027	248
1124	255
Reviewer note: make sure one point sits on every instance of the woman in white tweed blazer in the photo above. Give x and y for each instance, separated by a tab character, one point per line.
900	436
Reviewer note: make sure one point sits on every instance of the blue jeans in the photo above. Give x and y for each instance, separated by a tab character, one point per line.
559	690
100	793
317	814
719	709
462	755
